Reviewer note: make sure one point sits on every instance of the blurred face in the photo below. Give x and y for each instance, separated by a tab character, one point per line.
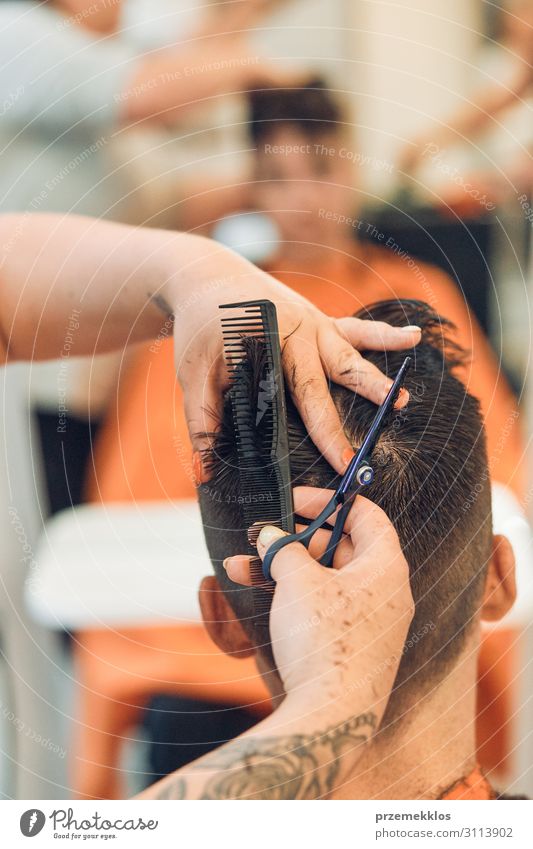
299	176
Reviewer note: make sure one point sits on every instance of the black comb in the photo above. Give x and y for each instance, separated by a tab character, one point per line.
260	432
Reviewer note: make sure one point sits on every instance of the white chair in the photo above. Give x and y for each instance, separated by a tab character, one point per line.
32	708
119	565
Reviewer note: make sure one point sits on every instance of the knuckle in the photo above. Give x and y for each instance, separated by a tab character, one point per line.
347	363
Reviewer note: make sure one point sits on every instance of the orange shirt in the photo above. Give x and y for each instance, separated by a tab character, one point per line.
475	786
143	451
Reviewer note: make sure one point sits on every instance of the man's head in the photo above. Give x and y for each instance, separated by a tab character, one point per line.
302	158
431	480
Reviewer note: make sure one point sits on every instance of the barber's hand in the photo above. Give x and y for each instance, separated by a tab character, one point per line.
315	349
338	634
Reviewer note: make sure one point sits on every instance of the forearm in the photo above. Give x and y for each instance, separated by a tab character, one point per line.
121	283
169	83
290	755
482	113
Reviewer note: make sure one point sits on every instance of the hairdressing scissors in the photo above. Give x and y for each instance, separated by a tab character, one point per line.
359	474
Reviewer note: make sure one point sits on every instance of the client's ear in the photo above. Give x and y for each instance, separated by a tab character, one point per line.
220	621
500	585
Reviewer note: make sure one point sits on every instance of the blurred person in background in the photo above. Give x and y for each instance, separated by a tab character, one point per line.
484	149
478	160
69	81
303	180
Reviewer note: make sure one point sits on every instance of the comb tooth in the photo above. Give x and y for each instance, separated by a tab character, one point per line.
233	346
233	324
239	342
242	337
244	305
247	315
230	323
236	326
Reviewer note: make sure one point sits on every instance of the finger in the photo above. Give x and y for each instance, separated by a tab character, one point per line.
371	531
378	335
367	524
238	569
309	389
345	366
289	560
378	556
320	541
309	501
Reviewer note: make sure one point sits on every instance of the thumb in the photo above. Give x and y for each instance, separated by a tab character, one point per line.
372	531
289	559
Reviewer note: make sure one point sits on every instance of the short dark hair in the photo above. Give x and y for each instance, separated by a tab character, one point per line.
431	480
310	107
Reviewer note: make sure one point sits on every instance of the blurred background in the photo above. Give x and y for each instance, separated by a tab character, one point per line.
357	149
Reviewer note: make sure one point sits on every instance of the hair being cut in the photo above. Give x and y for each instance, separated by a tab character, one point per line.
431	480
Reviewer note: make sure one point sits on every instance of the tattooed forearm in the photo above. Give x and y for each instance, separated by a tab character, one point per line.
296	766
176	790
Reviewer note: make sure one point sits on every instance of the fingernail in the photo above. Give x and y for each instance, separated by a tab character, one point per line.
347	456
198	469
270	534
238	560
411	328
402	399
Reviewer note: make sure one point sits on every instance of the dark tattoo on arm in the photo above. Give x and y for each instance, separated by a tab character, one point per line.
295	766
176	790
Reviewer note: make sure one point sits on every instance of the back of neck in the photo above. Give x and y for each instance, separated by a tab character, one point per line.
432	748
